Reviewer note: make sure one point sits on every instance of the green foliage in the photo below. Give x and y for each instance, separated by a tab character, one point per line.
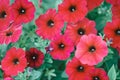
54	69
112	73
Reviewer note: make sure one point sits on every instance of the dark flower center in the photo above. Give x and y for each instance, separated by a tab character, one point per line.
80	68
72	8
50	23
96	78
81	31
61	46
92	49
34	57
117	32
16	61
22	10
9	33
3	14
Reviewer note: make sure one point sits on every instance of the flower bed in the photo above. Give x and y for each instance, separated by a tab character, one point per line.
59	39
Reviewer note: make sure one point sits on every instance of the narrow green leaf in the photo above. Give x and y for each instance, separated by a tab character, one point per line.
112	73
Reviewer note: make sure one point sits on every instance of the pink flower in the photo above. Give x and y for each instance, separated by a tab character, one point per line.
91	49
11	34
8	78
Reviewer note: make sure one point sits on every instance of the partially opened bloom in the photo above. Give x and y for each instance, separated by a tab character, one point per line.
11	34
62	47
39	3
83	27
14	61
73	10
76	70
23	11
91	49
97	74
49	24
34	57
5	14
112	31
91	4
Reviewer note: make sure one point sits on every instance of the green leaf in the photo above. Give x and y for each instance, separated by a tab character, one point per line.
50	73
35	75
112	73
64	75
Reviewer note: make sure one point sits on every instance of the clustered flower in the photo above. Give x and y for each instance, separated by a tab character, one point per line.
79	37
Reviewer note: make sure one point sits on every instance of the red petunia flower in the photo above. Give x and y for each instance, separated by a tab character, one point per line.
112	31
91	49
5	14
11	34
79	29
7	77
113	2
97	74
23	11
76	70
34	57
118	48
73	10
91	4
61	47
14	61
49	24
116	12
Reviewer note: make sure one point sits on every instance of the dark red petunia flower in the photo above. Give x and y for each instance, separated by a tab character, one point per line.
14	61
97	74
112	31
91	49
91	4
83	27
73	10
49	24
11	34
5	14
23	11
76	70
62	47
34	57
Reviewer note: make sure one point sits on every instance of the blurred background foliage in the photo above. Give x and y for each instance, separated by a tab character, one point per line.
54	69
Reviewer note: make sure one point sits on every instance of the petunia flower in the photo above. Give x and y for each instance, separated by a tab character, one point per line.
91	49
14	61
